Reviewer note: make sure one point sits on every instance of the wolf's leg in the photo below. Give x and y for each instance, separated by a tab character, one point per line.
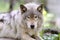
38	38
26	37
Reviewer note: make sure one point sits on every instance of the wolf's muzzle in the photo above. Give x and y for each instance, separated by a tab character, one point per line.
32	26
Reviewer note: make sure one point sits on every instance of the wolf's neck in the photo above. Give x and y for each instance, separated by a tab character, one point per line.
31	32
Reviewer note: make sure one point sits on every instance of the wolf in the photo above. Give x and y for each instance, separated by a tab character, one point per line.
24	24
30	22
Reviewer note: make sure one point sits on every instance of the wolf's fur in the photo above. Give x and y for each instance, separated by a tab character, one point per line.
28	13
18	22
8	29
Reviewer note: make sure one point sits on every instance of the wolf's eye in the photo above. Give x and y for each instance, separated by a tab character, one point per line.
36	16
28	16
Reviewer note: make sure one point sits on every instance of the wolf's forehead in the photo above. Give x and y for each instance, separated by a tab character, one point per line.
31	5
31	13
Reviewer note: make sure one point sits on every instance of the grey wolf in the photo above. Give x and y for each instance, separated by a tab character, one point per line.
31	21
25	23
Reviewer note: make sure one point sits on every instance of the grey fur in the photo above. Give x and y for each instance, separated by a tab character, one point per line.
16	26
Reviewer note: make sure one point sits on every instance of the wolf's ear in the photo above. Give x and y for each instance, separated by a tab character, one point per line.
40	8
23	8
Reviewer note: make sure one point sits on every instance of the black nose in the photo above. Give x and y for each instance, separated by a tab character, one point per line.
32	26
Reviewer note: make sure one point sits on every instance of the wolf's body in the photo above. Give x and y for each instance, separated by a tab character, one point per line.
23	23
8	30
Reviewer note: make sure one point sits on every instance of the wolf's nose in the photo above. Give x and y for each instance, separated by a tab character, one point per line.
32	26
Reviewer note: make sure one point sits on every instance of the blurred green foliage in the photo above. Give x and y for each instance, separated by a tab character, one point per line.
4	6
48	17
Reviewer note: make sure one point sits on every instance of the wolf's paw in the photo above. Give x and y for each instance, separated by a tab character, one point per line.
37	38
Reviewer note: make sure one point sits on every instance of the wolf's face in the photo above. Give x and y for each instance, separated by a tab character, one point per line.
32	21
32	15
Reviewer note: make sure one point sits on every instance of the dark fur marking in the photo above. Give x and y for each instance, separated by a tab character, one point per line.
33	36
1	20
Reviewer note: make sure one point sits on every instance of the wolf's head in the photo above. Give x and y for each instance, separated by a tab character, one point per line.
32	15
